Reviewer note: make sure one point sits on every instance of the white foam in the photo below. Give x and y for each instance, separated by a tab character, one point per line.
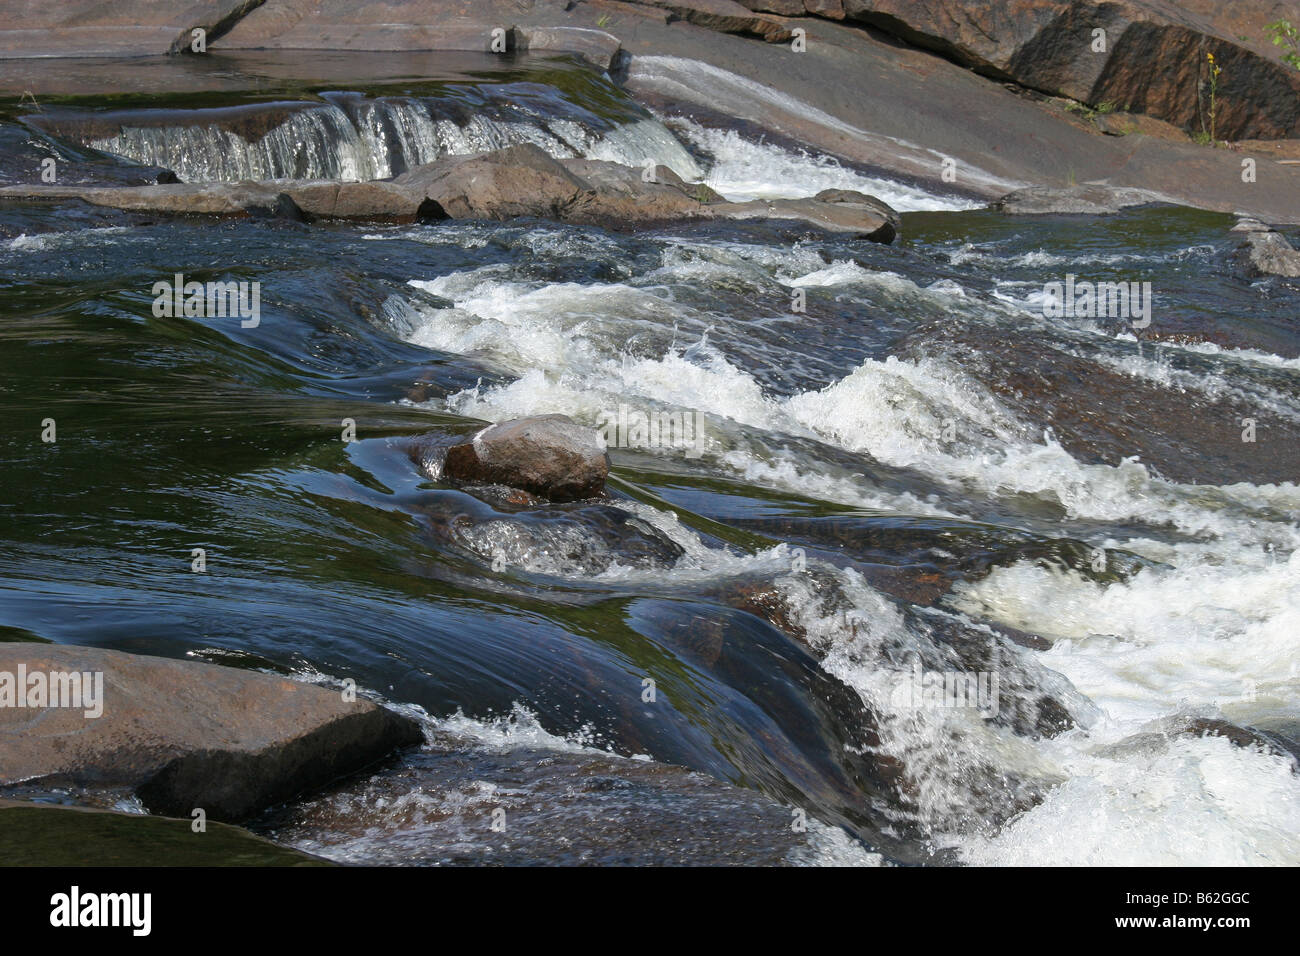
1185	802
517	730
48	241
1217	631
743	170
1204	632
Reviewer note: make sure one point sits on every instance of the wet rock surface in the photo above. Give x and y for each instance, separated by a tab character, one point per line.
27	158
463	801
1185	436
1266	252
1091	199
548	455
188	735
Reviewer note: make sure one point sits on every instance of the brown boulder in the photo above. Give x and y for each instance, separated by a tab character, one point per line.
376	200
548	455
617	195
859	220
187	735
521	180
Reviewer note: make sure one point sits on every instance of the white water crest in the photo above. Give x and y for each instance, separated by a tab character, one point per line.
741	170
1213	629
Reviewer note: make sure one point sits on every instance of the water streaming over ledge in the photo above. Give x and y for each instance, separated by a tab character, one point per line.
351	136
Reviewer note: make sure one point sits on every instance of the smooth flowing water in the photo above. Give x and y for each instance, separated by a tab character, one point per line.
897	468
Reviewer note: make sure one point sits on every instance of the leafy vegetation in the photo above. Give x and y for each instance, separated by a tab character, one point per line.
1285	35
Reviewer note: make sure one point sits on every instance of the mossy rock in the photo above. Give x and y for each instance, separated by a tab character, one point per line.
44	835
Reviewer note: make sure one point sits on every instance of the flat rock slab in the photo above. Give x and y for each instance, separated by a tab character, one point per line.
202	199
186	735
36	834
1090	199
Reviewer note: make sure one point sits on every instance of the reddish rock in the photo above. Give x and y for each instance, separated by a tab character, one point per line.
189	735
785	8
548	455
521	180
831	9
725	16
1154	61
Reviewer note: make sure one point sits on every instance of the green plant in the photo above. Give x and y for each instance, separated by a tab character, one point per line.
603	21
1090	113
1284	34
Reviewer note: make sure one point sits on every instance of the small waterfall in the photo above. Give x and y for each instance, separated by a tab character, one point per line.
360	138
316	143
633	143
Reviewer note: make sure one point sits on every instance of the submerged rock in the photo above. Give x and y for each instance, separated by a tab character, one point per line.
1088	199
186	735
548	455
563	805
1184	726
1251	737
